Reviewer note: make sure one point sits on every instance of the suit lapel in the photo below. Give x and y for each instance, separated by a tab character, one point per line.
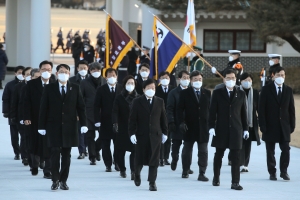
225	94
283	93
193	95
40	85
145	104
57	91
69	89
274	92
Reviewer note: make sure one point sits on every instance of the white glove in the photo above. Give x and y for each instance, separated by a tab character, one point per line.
98	59
246	135
262	78
42	132
212	131
133	139
84	129
22	122
164	138
98	124
213	70
81	58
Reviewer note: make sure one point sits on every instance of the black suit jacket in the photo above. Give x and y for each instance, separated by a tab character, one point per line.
228	117
139	85
59	116
103	105
77	79
159	92
194	113
276	118
14	107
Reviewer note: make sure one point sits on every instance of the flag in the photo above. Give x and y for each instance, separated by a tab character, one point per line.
118	43
189	36
167	49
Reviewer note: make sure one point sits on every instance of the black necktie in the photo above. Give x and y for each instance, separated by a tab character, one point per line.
149	102
165	89
44	84
279	94
198	94
112	90
230	95
63	93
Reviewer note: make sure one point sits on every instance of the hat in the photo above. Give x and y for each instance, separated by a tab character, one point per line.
234	51
245	75
62	65
146	48
197	48
274	56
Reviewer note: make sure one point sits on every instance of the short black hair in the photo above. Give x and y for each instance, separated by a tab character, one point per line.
62	65
33	71
164	73
246	75
94	65
1	45
195	73
110	70
45	62
144	65
126	79
148	82
278	69
82	62
183	72
26	69
17	68
229	71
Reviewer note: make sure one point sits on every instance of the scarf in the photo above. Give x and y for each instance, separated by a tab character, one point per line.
129	97
249	106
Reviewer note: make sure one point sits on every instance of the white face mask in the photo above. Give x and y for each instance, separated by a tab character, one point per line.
85	49
83	72
45	75
246	84
129	88
197	84
165	81
102	49
150	93
20	77
142	53
271	62
230	58
136	49
96	74
279	80
63	77
144	74
112	80
230	84
28	78
184	83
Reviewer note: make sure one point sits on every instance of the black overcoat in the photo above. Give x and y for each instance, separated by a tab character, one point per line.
3	63
77	79
14	107
159	92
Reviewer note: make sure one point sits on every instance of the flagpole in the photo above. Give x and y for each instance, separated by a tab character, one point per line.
186	44
125	33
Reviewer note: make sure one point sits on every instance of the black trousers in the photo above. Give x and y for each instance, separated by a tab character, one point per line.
36	160
93	146
14	136
23	148
284	157
121	160
187	153
165	149
235	164
106	152
152	173
175	149
245	152
81	140
61	160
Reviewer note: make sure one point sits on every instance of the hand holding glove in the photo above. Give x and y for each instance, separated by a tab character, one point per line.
133	139
246	135
164	138
84	129
42	132
213	70
212	132
98	124
115	127
183	127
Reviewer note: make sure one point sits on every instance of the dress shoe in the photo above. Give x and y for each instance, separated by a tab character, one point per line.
108	169
132	176
63	185
285	176
229	162
173	165
152	186
216	182
137	180
273	177
17	157
86	153
42	165
98	157
47	176
202	177
185	175
191	171
117	168
123	174
161	163
236	186
25	161
93	161
55	185
166	162
34	171
81	156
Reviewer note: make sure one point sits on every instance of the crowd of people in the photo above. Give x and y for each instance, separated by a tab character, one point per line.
149	118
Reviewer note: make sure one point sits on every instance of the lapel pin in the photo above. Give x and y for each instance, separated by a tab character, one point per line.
70	88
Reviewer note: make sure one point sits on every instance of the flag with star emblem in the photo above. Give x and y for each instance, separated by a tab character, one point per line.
118	43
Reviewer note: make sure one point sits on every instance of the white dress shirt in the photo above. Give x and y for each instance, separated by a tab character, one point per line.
163	87
277	86
109	86
60	88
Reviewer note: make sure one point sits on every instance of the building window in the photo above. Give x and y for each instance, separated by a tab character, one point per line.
224	40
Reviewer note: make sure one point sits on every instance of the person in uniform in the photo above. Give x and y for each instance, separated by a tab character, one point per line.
61	104
60	40
133	56
77	47
195	62
228	125
277	121
147	129
144	71
162	91
143	57
70	38
192	115
88	53
274	62
123	68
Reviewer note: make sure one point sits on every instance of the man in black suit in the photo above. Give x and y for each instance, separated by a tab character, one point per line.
7	97
103	105
228	125
144	71
172	109
60	104
162	91
39	152
277	121
81	75
88	89
147	129
193	109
